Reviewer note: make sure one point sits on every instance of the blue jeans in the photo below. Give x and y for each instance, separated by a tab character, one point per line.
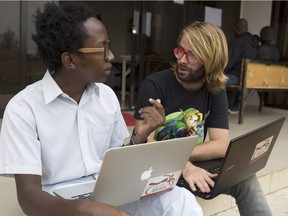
250	198
232	96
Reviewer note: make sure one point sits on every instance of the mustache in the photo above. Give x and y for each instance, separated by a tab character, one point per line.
182	66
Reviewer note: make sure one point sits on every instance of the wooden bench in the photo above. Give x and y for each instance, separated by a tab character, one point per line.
262	76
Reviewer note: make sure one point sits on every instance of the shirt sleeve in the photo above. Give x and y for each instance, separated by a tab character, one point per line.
20	150
120	131
218	117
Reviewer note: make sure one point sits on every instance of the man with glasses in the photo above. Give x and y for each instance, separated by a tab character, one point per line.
193	95
105	49
56	131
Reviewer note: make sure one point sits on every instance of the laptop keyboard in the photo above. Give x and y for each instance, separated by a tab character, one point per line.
83	196
214	170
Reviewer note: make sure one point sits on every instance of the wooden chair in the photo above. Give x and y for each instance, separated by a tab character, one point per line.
262	76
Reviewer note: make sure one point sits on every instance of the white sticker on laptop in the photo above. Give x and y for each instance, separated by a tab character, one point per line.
261	148
161	183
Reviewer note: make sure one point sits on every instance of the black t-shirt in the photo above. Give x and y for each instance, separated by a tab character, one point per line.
197	110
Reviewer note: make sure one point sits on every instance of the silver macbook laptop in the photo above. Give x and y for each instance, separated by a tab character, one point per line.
131	173
246	155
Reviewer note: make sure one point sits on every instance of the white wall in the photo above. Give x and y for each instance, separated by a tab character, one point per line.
257	13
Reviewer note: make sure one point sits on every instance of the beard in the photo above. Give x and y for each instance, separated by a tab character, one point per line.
190	75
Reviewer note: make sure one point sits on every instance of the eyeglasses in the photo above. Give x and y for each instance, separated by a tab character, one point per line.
106	49
180	52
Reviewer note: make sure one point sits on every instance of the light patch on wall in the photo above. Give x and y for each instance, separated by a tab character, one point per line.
181	2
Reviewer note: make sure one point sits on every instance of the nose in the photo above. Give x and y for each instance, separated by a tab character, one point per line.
110	56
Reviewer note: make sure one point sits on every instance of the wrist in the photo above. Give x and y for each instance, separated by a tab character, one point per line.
137	139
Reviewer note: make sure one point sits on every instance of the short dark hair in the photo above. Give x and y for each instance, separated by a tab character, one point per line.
60	29
267	34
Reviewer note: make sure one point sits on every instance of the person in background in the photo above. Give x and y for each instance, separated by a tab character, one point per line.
243	46
268	50
257	39
56	131
193	95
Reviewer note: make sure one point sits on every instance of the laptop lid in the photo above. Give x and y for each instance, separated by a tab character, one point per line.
131	173
246	155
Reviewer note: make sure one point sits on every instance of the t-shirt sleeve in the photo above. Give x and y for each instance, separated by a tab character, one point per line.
148	89
218	117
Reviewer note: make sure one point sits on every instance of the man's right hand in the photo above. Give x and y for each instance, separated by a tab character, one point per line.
153	117
196	176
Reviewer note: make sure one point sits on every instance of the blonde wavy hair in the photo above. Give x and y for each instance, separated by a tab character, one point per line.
208	43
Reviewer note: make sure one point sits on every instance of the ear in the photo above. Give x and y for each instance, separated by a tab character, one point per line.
68	60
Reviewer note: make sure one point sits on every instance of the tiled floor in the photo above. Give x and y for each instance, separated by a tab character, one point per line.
278	200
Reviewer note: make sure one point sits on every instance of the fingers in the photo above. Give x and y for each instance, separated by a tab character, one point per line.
202	184
153	101
153	115
157	105
202	180
205	184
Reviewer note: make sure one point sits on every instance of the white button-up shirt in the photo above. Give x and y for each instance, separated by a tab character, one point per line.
45	132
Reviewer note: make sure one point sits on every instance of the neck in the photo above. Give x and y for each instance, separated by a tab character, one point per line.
69	86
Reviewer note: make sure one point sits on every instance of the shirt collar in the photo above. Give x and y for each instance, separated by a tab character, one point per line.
51	89
93	88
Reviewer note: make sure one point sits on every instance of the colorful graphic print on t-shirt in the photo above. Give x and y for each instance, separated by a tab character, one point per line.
183	123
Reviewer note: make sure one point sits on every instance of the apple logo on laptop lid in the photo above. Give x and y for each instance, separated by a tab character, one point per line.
146	174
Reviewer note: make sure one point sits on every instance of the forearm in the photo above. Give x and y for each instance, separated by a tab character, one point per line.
36	202
215	147
41	203
209	150
44	204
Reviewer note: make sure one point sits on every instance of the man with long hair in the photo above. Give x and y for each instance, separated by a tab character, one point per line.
193	95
